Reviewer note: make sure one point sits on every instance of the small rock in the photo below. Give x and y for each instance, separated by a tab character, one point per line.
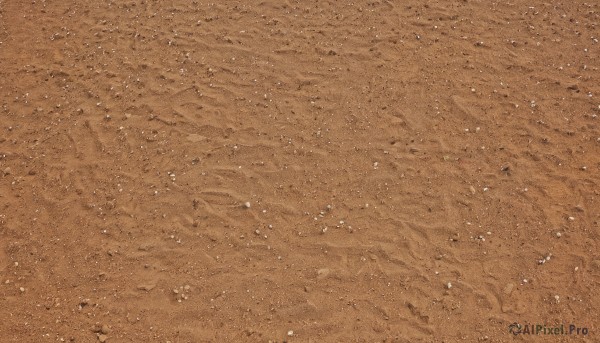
508	289
105	329
472	189
558	234
247	204
103	338
449	285
7	171
323	273
290	333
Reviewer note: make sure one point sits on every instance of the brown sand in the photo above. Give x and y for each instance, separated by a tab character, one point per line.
453	141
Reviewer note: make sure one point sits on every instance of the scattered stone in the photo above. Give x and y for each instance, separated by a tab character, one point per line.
472	189
102	338
7	171
558	234
146	287
247	204
508	289
545	259
290	333
83	303
449	285
323	273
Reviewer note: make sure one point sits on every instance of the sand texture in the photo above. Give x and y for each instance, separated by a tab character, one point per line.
298	171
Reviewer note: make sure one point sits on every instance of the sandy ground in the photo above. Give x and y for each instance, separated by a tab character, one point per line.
300	171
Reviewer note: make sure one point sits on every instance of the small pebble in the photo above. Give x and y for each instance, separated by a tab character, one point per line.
247	204
449	285
558	234
290	333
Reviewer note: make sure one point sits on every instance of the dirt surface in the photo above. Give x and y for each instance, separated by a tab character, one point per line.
300	171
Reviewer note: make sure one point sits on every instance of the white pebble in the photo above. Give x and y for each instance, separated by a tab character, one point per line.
558	234
247	204
449	285
290	333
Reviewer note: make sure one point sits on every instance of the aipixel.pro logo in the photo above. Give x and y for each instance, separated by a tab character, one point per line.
542	329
